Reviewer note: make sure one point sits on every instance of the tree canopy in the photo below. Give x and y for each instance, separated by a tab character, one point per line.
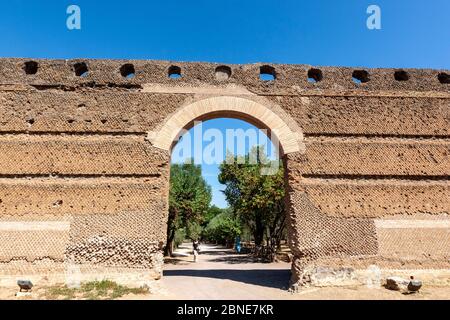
189	201
256	197
223	227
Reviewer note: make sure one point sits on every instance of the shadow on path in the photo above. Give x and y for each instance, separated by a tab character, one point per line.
273	278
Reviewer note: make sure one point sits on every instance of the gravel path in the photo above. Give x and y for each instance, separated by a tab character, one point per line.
222	274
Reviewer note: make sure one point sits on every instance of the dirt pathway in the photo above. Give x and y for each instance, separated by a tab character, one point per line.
221	274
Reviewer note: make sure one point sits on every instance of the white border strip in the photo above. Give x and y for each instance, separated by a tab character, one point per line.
35	226
404	224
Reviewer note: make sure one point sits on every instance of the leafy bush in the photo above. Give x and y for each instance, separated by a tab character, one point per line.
223	228
193	230
180	235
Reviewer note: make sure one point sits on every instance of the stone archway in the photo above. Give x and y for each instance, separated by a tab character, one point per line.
264	116
274	119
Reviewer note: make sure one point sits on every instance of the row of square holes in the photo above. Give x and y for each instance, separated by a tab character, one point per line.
267	73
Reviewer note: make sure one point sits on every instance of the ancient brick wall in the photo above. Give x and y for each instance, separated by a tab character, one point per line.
85	153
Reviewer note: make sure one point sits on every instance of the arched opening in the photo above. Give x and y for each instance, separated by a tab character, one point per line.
227	194
201	133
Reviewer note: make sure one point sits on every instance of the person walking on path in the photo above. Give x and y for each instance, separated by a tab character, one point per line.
196	247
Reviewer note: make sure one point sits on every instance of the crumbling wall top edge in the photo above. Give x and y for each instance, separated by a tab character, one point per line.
72	72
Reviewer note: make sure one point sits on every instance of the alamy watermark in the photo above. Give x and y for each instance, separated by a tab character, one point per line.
374	20
209	147
73	21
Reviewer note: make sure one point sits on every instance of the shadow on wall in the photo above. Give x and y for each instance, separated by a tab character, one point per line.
275	278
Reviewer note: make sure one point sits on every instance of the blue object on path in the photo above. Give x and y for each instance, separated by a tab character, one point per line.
237	245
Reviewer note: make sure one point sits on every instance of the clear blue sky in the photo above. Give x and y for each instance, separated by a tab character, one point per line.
415	33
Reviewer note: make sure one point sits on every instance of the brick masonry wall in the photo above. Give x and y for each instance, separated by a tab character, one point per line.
82	183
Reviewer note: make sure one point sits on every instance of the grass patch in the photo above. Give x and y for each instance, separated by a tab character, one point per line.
94	290
57	292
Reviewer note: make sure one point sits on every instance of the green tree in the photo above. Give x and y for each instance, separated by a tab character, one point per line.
212	212
257	198
189	200
223	227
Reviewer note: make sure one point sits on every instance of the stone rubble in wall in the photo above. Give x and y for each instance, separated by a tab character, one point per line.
116	252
